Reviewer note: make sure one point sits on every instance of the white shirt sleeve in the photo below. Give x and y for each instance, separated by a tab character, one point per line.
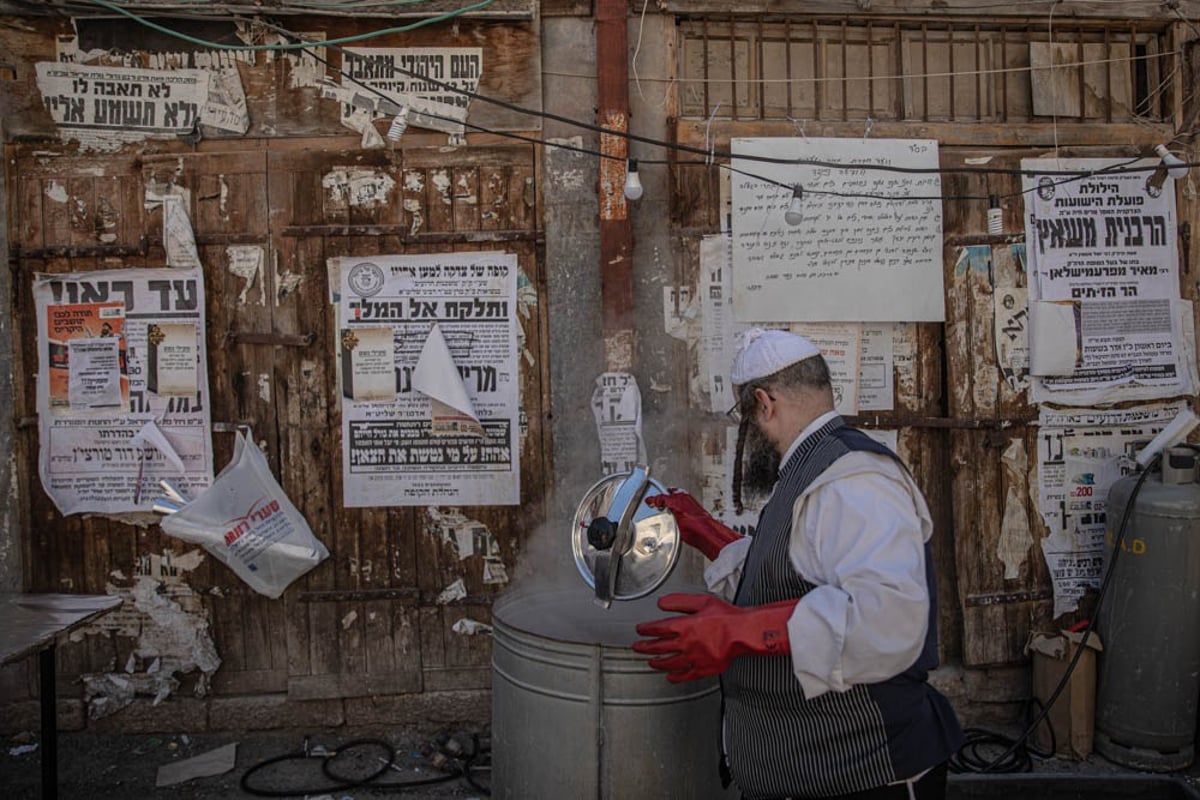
861	539
725	572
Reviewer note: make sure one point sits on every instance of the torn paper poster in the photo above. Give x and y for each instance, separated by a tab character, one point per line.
178	239
467	536
438	377
87	462
455	591
470	627
359	187
617	408
1081	452
246	262
170	625
1016	537
680	314
104	107
1012	335
152	435
390	453
719	330
225	106
432	82
494	571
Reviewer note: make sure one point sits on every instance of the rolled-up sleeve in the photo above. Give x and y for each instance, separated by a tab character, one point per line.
861	541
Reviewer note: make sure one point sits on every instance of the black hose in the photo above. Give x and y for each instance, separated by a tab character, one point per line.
367	782
1016	757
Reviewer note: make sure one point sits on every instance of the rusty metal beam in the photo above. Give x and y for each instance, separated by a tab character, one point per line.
616	237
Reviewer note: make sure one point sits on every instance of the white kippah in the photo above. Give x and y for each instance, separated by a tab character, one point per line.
765	352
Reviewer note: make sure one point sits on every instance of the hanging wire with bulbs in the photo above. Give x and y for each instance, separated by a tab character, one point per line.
1174	166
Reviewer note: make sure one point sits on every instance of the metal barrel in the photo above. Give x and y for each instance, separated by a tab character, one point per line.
577	714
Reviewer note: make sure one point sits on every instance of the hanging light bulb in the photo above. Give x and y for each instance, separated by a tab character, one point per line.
995	215
633	183
1176	167
795	211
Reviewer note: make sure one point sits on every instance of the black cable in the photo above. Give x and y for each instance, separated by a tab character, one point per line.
967	760
709	154
1071	176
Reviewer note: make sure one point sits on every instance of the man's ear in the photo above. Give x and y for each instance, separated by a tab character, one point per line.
765	400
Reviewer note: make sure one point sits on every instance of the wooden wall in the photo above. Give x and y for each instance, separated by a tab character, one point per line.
367	620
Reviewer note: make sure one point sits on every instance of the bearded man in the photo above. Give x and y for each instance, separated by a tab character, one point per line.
822	625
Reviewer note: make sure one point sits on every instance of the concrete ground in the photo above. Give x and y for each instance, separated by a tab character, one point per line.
124	767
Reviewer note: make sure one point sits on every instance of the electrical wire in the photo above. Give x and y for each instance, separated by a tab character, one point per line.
254	47
1070	175
457	765
301	42
1014	757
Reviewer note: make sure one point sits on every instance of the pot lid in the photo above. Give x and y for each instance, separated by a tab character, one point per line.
624	549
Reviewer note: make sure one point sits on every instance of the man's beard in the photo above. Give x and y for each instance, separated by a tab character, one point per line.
758	465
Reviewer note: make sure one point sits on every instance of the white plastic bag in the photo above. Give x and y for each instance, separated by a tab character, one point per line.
246	521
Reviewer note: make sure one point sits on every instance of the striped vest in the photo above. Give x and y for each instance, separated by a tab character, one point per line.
781	745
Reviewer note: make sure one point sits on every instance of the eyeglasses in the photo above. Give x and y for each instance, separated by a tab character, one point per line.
735	411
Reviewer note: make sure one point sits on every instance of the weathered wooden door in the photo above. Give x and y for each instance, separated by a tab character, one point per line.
366	621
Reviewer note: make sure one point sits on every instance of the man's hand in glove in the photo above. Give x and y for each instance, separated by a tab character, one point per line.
712	634
697	527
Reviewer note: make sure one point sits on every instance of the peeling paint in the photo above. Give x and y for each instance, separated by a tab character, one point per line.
170	626
264	387
467	536
223	197
348	620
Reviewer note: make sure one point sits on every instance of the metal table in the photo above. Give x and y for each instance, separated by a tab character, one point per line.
32	623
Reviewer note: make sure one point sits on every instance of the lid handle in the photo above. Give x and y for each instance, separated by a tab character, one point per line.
608	564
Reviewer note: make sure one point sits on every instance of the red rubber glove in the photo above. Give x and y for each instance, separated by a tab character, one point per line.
712	635
697	527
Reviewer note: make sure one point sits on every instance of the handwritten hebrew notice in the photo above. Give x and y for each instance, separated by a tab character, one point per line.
118	349
868	246
391	453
